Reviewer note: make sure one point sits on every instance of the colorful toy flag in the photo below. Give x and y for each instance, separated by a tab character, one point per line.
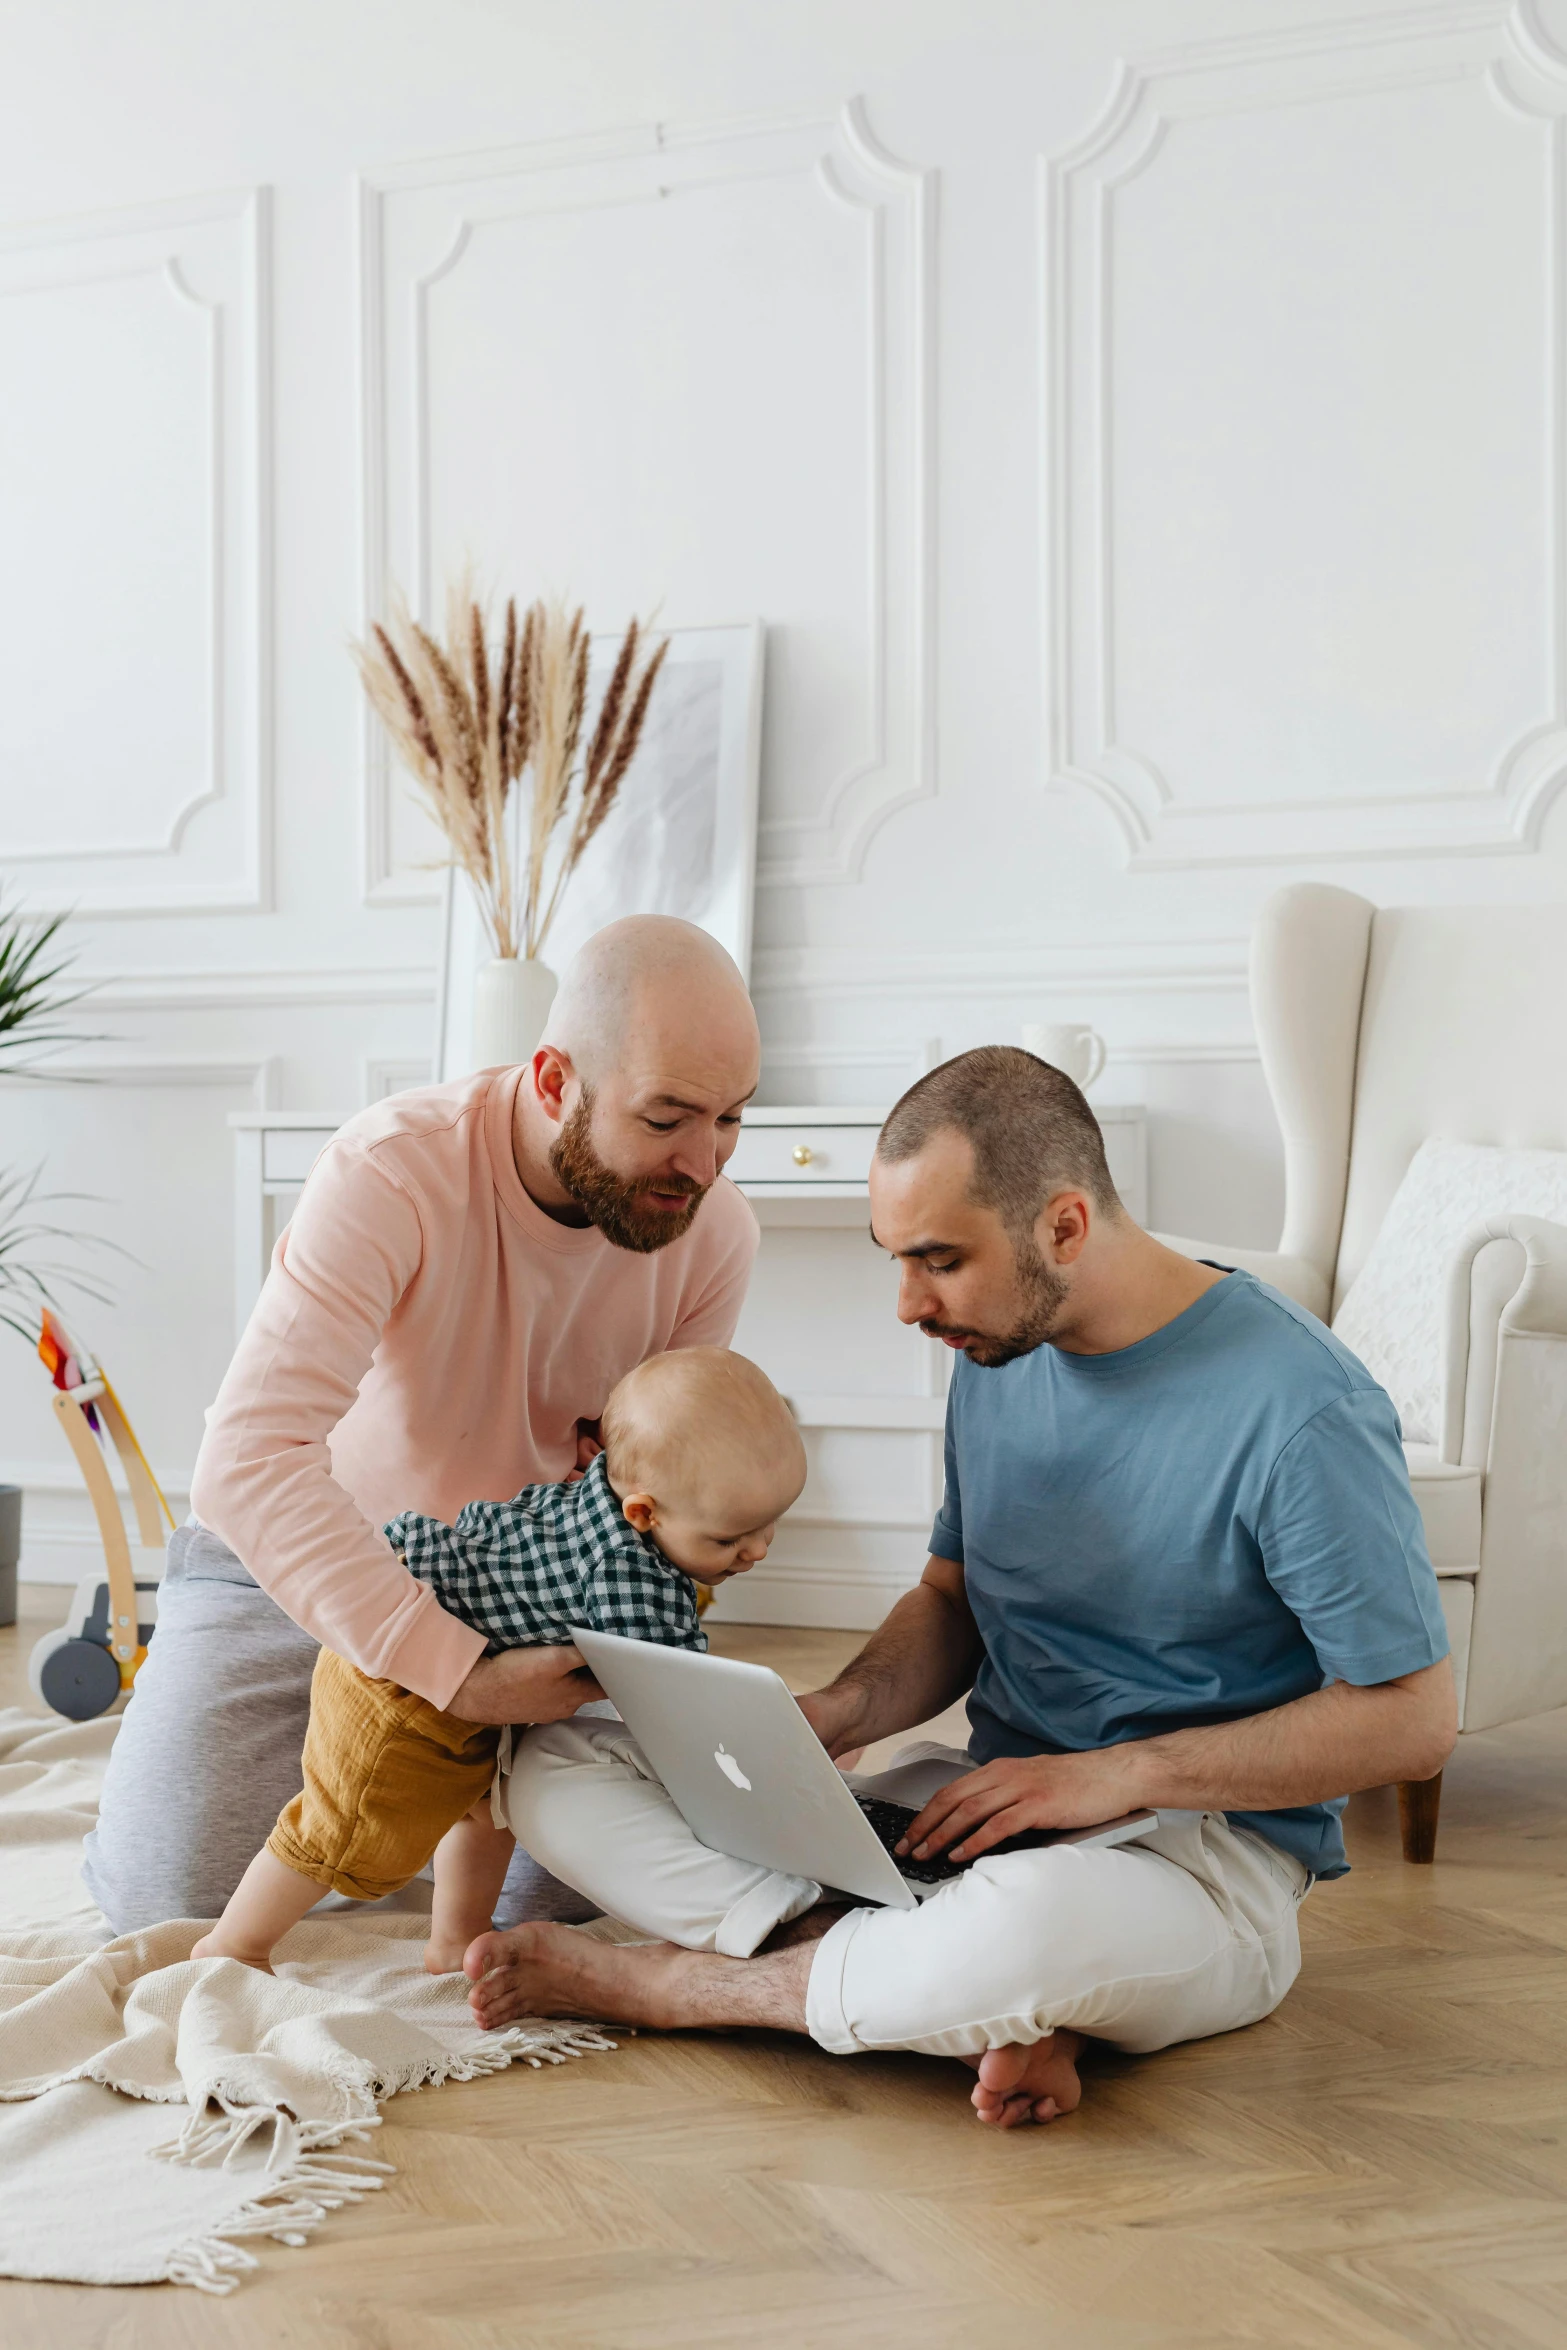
62	1359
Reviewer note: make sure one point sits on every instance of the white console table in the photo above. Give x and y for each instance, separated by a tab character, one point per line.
800	1167
820	1319
796	1166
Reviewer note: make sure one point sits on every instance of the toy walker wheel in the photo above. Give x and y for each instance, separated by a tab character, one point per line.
76	1678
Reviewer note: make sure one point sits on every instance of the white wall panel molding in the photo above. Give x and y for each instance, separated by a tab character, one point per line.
895	1065
60	1539
798	1070
60	1476
379	1079
827	974
138	759
876	1521
1196	991
457	258
834	1589
258	1072
1329	37
897	1413
1305	581
1176	1053
220	990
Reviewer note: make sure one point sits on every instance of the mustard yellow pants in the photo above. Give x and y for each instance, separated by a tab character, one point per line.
386	1774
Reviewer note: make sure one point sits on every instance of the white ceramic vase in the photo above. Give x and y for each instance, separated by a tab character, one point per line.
511	1002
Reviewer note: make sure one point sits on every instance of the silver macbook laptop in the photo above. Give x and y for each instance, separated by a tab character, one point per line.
750	1776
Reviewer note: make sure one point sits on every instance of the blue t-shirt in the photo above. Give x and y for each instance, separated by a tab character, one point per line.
1192	1529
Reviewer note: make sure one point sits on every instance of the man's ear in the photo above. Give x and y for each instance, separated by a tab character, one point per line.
1063	1227
640	1510
552	1073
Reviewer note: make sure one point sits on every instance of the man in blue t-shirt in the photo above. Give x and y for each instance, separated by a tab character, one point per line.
1179	1563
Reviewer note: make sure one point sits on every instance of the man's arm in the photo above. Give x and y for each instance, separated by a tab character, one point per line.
921	1659
264	1479
1332	1742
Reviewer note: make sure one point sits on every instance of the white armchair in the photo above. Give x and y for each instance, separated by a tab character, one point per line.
1380	1028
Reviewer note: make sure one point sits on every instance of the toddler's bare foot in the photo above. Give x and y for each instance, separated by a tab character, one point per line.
214	1945
1036	2084
444	1953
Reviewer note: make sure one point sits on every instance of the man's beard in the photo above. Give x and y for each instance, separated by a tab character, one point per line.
1041	1293
615	1206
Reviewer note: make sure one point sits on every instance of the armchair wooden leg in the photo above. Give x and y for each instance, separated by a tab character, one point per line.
1419	1801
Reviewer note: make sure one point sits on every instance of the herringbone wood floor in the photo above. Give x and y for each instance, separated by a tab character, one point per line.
1383	2162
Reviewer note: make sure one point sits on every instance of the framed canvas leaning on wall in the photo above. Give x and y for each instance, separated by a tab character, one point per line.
680	840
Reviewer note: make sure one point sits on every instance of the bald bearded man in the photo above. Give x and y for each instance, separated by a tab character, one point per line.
470	1270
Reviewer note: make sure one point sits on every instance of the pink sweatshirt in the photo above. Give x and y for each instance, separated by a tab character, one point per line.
428	1336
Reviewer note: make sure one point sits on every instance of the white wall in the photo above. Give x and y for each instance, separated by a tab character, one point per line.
1141	426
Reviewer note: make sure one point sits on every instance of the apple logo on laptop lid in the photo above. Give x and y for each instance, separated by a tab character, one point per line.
731	1769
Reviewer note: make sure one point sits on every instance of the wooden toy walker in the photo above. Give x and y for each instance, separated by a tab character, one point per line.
80	1669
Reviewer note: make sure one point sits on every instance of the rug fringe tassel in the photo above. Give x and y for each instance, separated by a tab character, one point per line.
214	2141
533	2044
311	2175
288	2212
528	2044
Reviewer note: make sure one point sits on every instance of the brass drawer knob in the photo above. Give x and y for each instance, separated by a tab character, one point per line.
802	1155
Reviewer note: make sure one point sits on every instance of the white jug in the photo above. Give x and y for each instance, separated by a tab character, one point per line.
1071	1046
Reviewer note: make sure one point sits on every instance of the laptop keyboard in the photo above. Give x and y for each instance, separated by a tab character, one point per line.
890	1821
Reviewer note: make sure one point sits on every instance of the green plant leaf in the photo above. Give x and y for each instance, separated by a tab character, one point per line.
32	998
39	1259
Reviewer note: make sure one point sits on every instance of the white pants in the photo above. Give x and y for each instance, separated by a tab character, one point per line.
1190	1930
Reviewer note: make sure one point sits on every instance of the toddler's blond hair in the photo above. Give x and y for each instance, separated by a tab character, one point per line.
665	1418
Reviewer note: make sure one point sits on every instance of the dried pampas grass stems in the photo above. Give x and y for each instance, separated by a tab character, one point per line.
469	720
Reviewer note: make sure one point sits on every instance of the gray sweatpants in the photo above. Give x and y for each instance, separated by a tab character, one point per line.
209	1752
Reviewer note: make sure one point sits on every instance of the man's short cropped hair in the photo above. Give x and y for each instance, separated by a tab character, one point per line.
1032	1131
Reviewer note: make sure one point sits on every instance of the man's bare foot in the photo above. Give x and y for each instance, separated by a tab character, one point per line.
546	1969
213	1946
542	1969
1036	2084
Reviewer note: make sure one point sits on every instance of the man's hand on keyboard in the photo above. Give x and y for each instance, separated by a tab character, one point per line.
1002	1799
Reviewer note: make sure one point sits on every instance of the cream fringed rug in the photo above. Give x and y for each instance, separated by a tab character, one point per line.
156	2110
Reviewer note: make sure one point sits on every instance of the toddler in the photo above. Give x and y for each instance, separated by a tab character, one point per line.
701	1457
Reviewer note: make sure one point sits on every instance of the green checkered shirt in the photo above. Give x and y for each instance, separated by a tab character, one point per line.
527	1572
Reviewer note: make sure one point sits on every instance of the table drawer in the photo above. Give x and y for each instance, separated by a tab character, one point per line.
288	1153
803	1154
